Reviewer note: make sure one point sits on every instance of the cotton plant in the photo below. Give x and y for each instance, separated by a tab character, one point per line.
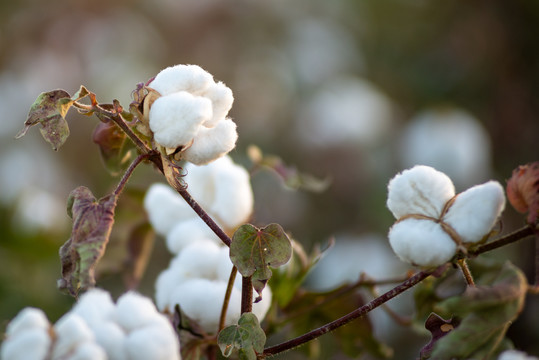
221	282
95	328
432	222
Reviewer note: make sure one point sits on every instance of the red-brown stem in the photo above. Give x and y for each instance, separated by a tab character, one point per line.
246	294
507	239
537	258
463	265
226	301
129	172
287	345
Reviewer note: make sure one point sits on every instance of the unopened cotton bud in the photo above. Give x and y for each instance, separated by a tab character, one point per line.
89	351
152	342
134	311
421	242
212	143
71	330
187	232
31	344
419	190
26	319
190	78
165	208
475	211
95	306
110	336
175	119
222	99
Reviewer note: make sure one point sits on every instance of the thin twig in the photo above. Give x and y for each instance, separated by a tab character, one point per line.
129	172
463	265
246	294
226	301
507	239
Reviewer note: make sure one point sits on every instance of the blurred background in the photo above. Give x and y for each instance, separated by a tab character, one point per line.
348	90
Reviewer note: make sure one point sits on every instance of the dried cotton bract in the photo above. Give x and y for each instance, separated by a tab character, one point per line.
190	114
432	222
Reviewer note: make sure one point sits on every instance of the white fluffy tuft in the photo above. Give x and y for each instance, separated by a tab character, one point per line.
165	208
191	78
211	143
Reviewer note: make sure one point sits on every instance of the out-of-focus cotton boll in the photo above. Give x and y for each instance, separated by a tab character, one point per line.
212	143
515	355
475	211
152	342
110	336
175	119
31	344
450	140
351	256
224	190
89	351
421	242
420	190
165	208
189	78
26	319
189	231
134	311
71	331
345	112
199	259
95	306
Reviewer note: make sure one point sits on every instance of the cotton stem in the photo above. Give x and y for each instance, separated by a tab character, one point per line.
226	301
246	294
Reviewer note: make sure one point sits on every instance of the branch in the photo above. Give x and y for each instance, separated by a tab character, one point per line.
226	301
300	340
246	294
505	240
129	172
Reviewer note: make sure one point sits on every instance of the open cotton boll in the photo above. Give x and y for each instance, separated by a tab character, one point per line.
134	311
175	119
211	143
27	319
95	306
475	211
202	300
222	99
421	242
199	259
191	78
187	232
164	285
165	208
419	190
110	337
89	351
153	342
71	330
31	344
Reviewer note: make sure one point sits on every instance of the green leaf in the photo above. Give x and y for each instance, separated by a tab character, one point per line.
247	337
486	312
254	250
116	150
92	224
48	111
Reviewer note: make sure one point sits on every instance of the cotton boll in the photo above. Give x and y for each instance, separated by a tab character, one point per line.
261	308
419	190
165	208
187	232
211	143
71	330
134	311
190	78
164	286
222	99
202	300
95	306
31	344
224	266
475	211
421	242
449	139
26	319
110	337
152	342
199	259
175	119
515	355
89	351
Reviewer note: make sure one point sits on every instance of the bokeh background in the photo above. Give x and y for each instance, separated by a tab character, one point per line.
348	90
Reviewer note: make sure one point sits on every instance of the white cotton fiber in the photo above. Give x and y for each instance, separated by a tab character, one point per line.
187	232
95	306
164	285
89	351
175	119
30	343
211	143
419	190
71	330
222	100
421	242
191	78
199	259
26	319
110	336
152	342
165	208
134	311
475	211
